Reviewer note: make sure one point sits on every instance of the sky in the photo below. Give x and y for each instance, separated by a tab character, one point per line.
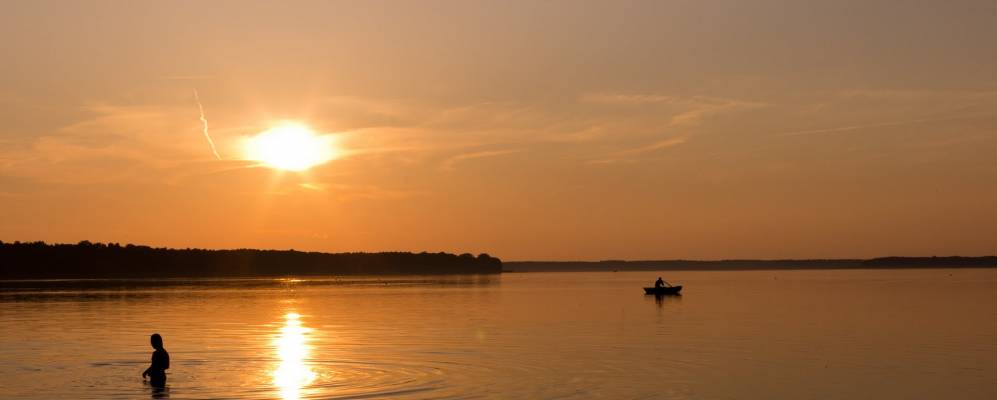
530	130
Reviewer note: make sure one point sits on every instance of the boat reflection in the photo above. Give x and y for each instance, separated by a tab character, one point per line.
662	299
292	347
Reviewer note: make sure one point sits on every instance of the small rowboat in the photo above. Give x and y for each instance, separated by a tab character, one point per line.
663	290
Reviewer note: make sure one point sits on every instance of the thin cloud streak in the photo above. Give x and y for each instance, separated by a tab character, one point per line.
661	144
450	163
204	124
883	124
187	77
626	155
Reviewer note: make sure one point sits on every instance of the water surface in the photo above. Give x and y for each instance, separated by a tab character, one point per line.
834	334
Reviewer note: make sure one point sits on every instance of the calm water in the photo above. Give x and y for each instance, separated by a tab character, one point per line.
897	334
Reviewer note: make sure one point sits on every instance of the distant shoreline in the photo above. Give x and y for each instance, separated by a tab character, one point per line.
751	265
86	260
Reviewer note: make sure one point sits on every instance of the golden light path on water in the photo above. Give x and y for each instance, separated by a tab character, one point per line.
292	348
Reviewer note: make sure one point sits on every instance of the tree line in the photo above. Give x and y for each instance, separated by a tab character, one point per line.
39	260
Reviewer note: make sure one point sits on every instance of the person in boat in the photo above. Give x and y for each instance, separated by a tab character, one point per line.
659	283
160	363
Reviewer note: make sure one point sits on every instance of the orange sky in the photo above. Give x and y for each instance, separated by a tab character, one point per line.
528	130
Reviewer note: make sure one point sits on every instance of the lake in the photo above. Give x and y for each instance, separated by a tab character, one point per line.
827	334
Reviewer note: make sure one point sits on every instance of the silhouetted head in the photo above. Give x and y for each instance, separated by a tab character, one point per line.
157	341
659	278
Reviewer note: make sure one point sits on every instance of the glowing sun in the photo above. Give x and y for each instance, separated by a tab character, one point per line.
290	147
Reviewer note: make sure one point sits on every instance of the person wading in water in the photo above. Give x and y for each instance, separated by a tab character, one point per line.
160	363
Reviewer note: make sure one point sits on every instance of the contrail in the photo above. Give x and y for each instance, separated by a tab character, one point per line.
204	124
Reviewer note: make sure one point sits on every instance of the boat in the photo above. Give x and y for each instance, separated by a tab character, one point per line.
663	290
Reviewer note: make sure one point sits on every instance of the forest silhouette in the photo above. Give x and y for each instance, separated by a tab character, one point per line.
38	260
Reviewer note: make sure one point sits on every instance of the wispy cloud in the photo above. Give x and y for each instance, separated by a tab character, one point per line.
187	77
318	187
450	163
348	192
678	118
627	98
652	98
915	94
628	155
662	144
679	110
883	124
114	143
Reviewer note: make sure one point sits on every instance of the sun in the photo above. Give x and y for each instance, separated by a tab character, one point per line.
290	146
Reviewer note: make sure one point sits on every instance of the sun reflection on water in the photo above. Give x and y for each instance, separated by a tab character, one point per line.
292	348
